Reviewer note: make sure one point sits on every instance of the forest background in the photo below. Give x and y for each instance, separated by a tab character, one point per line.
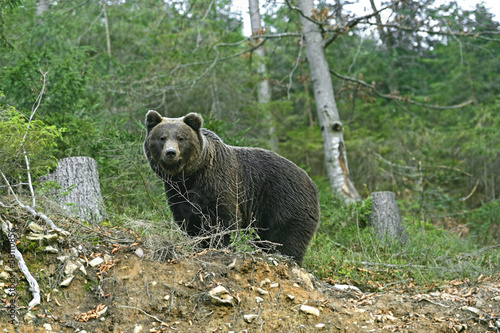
418	96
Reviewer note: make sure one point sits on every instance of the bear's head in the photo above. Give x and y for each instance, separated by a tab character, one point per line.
174	145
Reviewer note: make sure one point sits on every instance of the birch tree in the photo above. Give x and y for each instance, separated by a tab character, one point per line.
263	90
331	127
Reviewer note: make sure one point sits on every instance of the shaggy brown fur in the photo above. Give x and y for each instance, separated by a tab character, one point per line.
209	183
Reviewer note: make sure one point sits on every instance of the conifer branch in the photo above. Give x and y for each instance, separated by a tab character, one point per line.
397	97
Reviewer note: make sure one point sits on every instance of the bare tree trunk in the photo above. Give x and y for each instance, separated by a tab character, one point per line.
264	91
388	40
331	128
385	218
106	26
41	7
80	191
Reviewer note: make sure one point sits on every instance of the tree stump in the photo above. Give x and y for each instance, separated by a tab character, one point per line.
385	218
78	191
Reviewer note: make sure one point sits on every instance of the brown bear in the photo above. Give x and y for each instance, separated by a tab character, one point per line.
210	184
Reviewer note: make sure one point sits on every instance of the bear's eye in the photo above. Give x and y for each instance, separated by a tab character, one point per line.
181	139
163	138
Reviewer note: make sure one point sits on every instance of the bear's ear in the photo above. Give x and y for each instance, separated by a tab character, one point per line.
194	120
153	118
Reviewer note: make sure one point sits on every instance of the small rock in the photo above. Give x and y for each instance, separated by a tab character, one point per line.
62	258
259	299
291	297
274	285
50	237
346	287
232	265
384	318
250	317
47	327
472	309
74	252
107	257
262	291
8	269
309	309
304	277
220	295
83	270
265	281
66	282
35	237
321	325
51	249
4	275
137	329
139	252
166	298
218	291
70	268
35	227
96	261
28	318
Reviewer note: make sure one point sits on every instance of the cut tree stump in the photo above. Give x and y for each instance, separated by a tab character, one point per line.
79	191
385	218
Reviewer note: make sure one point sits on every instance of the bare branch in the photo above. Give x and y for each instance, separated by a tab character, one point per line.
351	24
399	98
303	15
7	229
478	34
32	211
295	67
33	111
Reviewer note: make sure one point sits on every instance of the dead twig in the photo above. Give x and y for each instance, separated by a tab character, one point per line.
142	311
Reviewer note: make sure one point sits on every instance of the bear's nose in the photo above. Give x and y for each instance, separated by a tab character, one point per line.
170	152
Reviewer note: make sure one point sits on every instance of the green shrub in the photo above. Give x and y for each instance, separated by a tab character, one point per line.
484	223
344	251
19	136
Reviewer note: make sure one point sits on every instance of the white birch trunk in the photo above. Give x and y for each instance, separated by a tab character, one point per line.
263	90
41	7
80	191
331	128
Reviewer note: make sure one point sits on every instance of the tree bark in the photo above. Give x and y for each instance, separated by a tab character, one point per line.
41	7
385	218
331	128
263	89
106	26
80	191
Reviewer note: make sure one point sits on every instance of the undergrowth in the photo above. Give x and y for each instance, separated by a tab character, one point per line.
344	251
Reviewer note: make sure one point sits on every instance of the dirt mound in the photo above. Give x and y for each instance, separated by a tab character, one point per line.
119	288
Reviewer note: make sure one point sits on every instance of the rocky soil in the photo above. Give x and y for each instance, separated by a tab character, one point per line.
109	281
